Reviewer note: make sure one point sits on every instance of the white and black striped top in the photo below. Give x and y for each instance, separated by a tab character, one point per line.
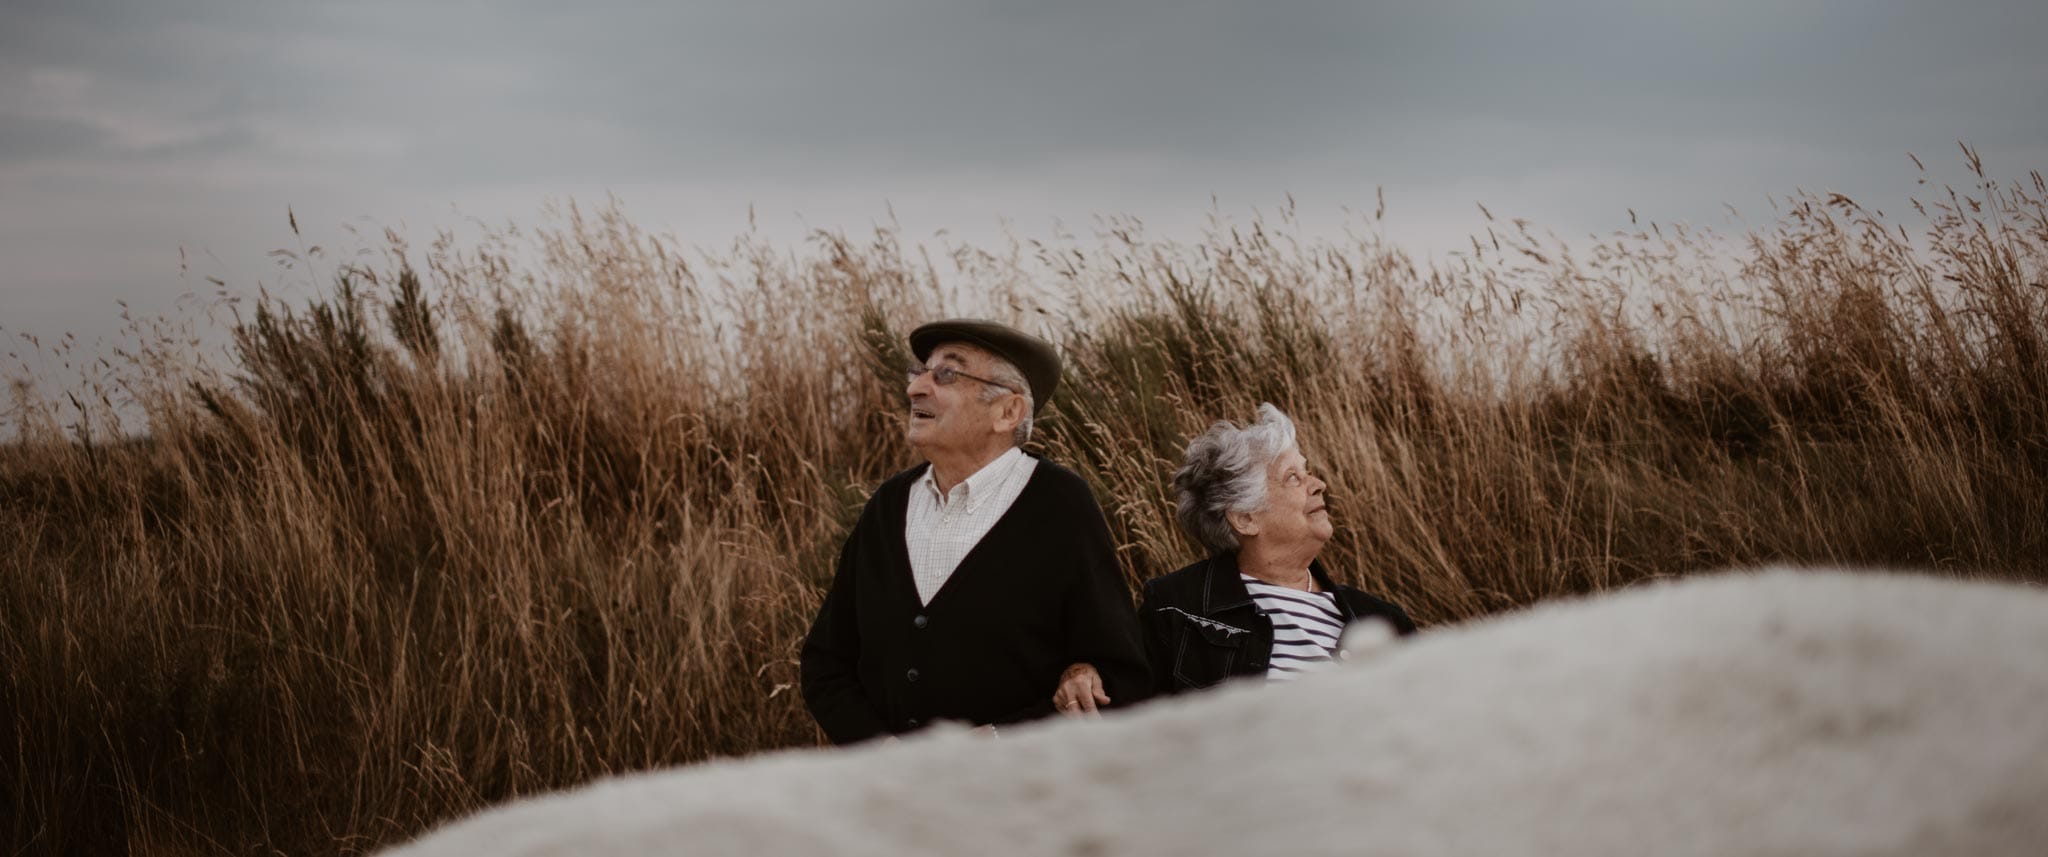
1306	626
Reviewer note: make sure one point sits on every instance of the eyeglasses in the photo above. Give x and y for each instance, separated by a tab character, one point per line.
944	375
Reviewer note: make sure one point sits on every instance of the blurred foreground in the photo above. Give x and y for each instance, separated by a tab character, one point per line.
1813	713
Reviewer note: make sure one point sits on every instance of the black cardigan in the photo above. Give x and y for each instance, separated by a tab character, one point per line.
1039	592
1202	626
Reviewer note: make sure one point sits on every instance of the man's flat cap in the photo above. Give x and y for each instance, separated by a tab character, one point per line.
1035	357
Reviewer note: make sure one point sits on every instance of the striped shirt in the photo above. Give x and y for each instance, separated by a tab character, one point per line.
1306	627
939	529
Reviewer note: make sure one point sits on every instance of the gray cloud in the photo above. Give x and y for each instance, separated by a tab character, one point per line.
148	126
460	94
31	138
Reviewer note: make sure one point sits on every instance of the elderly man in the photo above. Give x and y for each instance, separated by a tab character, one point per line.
970	582
1261	604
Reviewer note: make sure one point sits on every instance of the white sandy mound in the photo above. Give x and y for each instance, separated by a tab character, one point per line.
1784	713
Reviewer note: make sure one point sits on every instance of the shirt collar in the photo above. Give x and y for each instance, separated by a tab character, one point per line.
984	480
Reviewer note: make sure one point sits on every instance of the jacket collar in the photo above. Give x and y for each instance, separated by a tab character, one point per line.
1223	590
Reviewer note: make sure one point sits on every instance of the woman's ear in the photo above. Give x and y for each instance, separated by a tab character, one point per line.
1242	524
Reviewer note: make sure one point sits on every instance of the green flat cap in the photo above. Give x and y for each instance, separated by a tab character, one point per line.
1035	357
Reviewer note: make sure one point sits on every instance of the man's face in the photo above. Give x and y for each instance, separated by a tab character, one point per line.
1295	512
951	417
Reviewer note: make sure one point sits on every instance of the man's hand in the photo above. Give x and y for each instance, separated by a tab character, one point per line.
1080	691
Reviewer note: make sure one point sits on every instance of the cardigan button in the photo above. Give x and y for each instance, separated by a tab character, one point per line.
912	723
919	621
911	674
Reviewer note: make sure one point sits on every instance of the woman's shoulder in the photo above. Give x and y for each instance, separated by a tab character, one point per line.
1365	605
1180	584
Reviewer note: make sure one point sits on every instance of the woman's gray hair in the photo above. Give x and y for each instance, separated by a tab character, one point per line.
1225	472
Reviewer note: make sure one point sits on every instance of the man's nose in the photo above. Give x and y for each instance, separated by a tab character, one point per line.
912	389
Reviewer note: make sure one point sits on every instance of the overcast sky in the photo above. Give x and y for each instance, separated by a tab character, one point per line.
132	128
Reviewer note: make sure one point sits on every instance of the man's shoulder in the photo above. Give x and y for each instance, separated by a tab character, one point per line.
1052	472
892	490
1057	482
902	480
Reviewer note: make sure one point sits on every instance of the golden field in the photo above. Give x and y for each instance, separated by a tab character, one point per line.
501	515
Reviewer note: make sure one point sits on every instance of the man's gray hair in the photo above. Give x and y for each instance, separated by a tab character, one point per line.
1225	472
1007	374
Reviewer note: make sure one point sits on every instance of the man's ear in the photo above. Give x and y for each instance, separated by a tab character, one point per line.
1009	415
1242	523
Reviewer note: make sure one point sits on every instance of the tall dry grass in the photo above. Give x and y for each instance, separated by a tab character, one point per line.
500	516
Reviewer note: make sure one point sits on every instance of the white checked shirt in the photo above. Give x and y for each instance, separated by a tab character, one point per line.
940	530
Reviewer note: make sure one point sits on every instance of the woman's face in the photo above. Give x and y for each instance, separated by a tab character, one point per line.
1295	513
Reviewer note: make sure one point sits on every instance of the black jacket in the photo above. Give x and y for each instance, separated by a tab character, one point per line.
1042	590
1202	627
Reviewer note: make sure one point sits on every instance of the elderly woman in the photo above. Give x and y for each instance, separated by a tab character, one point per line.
1261	604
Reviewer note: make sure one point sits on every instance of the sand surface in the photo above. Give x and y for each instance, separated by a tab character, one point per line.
1777	713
